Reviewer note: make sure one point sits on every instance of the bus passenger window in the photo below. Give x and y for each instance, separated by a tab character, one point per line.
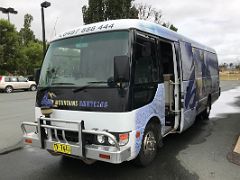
145	62
166	57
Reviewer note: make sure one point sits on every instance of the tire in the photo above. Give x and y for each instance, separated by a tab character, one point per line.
9	89
149	147
33	88
206	112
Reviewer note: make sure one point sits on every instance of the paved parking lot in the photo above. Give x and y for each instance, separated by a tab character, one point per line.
14	108
198	153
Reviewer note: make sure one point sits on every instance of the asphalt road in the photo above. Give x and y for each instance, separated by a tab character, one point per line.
226	85
198	153
14	108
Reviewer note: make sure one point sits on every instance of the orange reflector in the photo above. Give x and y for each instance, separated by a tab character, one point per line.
138	134
104	156
123	137
28	141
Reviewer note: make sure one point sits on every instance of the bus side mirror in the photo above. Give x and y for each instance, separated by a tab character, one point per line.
121	69
37	75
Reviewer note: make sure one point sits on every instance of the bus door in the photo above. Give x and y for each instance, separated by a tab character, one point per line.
188	86
171	79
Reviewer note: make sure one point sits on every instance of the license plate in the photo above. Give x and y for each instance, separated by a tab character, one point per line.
62	148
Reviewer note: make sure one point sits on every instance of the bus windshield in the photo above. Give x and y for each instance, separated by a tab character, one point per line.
82	60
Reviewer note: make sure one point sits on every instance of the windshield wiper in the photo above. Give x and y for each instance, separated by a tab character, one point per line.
82	88
63	83
97	82
90	84
48	87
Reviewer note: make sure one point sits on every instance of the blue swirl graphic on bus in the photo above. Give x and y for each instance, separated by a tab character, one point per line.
144	114
46	102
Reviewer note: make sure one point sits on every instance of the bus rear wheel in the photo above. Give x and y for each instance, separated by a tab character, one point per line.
206	112
149	146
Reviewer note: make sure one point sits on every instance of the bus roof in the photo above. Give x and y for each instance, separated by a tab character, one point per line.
124	24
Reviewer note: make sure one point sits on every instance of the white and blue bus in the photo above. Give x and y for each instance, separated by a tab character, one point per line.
111	91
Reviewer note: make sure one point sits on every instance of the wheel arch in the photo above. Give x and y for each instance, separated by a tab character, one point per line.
8	85
152	123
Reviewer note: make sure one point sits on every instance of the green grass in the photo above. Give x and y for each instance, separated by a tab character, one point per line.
229	76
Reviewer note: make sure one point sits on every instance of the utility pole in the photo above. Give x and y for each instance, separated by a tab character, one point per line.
44	5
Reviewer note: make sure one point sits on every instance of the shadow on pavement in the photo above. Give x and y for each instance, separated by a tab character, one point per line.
165	166
32	163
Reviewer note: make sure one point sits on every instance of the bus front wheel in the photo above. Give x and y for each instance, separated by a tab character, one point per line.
149	146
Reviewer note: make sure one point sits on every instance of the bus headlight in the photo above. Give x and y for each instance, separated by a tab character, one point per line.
101	139
123	139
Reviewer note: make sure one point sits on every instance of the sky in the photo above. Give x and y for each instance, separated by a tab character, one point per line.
213	23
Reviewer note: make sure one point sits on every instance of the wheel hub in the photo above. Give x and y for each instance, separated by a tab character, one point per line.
149	143
9	90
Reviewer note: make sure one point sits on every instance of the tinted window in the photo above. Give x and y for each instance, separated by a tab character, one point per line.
146	70
7	79
166	57
198	56
22	79
13	79
187	61
212	64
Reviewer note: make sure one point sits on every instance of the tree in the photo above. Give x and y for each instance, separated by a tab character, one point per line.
9	47
238	67
31	49
147	12
223	67
170	26
120	9
20	52
26	33
103	10
94	12
31	58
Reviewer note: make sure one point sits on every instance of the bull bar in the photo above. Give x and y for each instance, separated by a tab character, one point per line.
79	149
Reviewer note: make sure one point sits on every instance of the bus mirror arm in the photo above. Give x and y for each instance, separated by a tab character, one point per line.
37	75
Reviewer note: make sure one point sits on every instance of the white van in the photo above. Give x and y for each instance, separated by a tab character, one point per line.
10	83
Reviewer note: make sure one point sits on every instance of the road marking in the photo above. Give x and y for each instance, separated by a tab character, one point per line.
237	146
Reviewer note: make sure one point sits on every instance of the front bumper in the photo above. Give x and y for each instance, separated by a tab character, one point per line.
113	154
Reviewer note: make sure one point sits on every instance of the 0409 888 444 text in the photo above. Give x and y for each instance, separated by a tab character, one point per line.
88	29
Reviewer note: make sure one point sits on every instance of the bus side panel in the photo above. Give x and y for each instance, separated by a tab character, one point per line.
154	109
215	77
188	86
207	81
211	87
198	57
